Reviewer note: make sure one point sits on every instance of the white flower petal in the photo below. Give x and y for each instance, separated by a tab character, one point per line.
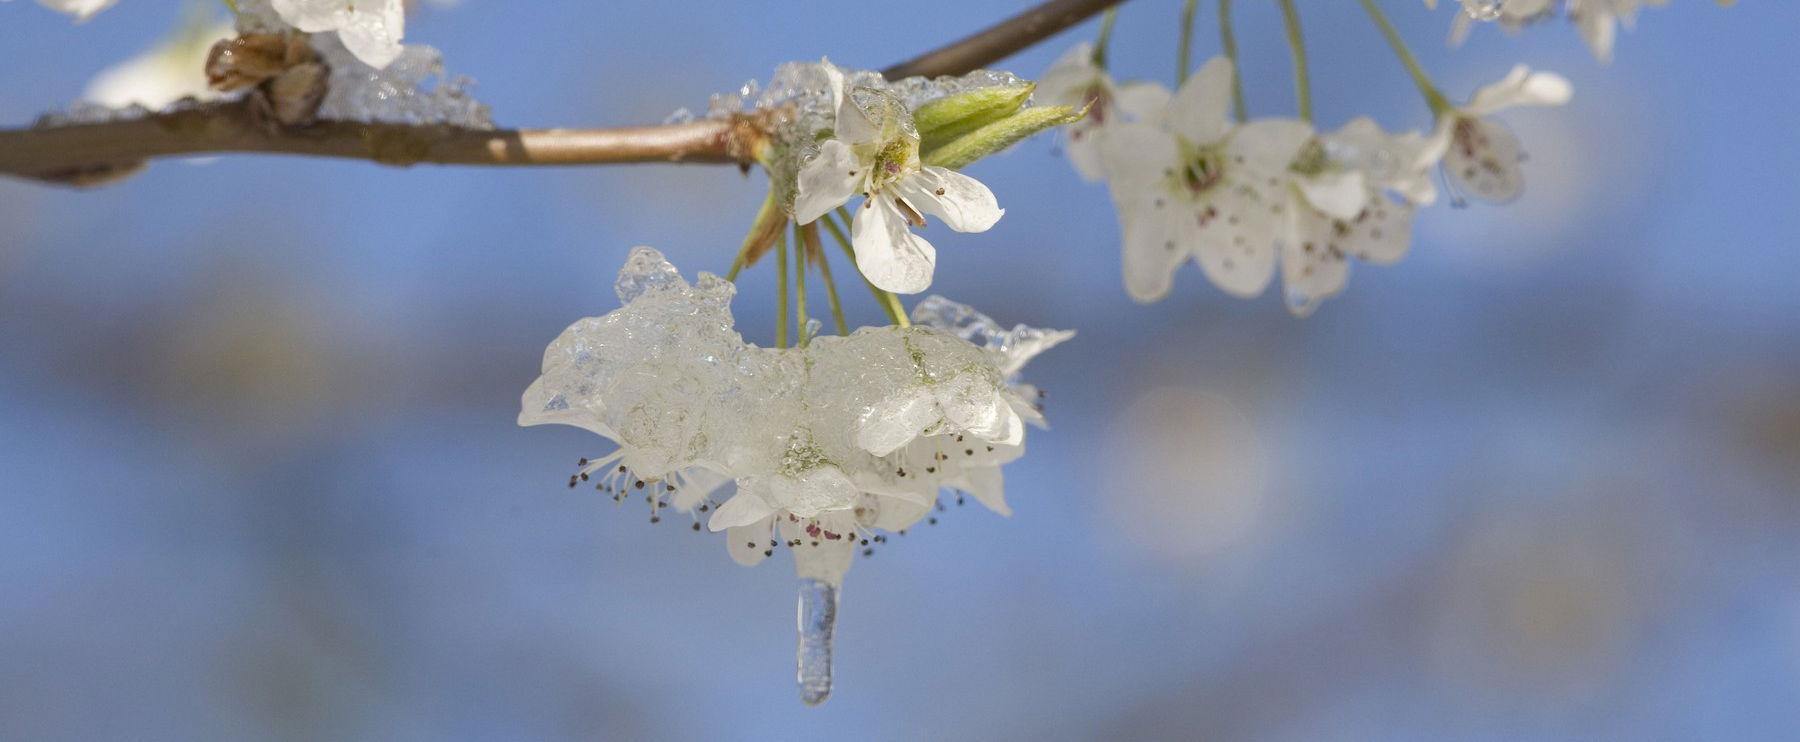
749	544
887	252
1068	80
821	558
827	181
988	486
1141	100
962	202
1269	144
1082	142
1201	110
1381	233
1236	242
1521	87
742	509
1483	160
1313	267
896	421
81	9
1340	194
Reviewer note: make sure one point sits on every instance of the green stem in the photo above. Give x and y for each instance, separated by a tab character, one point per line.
758	225
1184	53
1229	41
1439	104
888	302
811	234
1297	43
800	287
1106	28
781	292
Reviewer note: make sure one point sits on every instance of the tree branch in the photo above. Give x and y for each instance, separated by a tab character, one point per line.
1000	40
94	154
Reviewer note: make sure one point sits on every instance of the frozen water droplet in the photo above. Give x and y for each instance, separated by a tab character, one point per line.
1483	10
644	270
680	116
817	616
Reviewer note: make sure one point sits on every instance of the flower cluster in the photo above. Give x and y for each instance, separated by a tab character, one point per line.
1598	20
826	443
1241	198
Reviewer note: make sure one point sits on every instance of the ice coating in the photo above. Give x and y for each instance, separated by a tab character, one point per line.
826	443
412	89
801	93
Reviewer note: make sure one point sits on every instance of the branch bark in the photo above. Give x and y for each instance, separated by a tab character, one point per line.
1000	40
93	154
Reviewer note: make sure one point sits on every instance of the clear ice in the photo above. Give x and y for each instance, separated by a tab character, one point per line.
413	89
801	92
825	444
817	616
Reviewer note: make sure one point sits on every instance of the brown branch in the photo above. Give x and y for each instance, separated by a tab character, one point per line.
1000	40
87	154
93	154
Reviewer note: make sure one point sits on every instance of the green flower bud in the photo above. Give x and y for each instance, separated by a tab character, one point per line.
943	120
999	135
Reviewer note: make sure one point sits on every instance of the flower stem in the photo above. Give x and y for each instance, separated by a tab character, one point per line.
1105	41
1184	53
887	301
759	237
1297	43
1439	104
800	287
810	236
1229	41
781	292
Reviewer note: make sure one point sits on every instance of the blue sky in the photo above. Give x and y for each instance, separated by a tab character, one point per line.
259	476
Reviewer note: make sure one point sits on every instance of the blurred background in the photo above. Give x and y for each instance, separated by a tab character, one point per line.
260	479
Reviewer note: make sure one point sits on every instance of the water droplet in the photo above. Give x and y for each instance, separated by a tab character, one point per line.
817	618
1483	10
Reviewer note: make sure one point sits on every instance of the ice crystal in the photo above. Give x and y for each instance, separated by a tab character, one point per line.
412	89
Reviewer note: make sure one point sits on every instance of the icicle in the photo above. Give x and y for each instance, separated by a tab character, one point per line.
817	616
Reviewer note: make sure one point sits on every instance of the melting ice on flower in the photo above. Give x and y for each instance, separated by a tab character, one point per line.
370	29
1076	81
826	444
874	151
1482	156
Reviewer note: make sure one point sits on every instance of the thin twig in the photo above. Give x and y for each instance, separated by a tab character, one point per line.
92	154
1000	40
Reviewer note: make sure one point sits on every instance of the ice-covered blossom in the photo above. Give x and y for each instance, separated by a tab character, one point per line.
1482	156
1342	204
1193	183
874	151
825	444
1076	81
370	29
1513	15
81	9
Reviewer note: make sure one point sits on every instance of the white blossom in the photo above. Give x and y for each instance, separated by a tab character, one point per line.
1075	81
1482	156
1195	184
168	72
817	465
1512	16
1342	206
370	29
81	9
874	151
